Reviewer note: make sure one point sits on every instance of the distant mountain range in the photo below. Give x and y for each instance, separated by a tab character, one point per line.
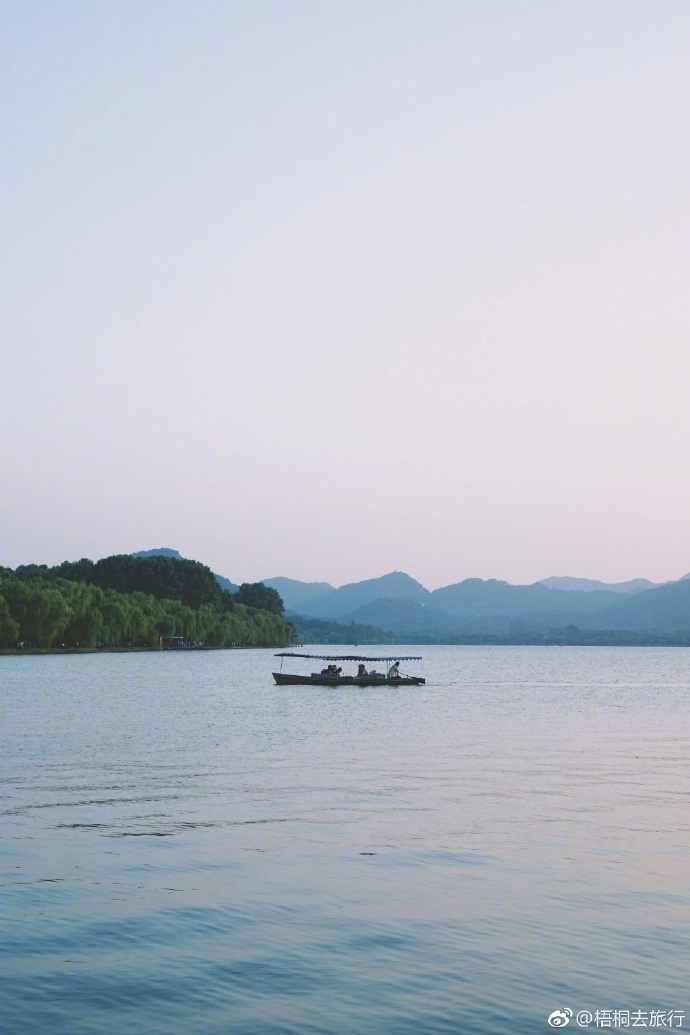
587	585
399	604
402	607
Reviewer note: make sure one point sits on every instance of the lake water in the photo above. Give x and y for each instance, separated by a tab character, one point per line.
188	849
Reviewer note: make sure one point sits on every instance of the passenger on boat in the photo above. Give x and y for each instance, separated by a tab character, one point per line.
394	671
361	671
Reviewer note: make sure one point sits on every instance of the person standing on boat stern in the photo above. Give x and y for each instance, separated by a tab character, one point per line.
394	670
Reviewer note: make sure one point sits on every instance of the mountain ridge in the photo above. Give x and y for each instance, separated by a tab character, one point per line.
400	605
568	582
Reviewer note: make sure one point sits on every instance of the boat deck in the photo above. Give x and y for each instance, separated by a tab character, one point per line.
316	679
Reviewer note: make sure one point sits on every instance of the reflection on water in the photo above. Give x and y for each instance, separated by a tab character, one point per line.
190	849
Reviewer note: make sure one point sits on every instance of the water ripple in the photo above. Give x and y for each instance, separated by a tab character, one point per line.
237	859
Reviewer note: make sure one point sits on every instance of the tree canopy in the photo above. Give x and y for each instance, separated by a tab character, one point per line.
166	577
255	594
124	601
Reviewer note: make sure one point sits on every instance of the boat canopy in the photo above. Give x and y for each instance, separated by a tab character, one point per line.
349	657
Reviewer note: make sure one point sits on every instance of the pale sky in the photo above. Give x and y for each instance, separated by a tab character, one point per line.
328	289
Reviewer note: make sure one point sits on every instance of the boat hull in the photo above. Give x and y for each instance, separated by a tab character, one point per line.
285	679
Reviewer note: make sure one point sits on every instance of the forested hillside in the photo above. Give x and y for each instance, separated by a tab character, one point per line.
166	551
493	611
167	577
122	601
318	630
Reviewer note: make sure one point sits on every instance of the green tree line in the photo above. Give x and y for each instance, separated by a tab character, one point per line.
169	578
41	607
319	630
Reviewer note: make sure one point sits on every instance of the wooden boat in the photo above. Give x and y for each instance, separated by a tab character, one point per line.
328	677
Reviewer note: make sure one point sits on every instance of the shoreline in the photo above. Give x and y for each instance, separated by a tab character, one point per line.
18	651
592	642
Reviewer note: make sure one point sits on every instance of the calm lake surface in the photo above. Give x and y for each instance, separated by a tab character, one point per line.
188	849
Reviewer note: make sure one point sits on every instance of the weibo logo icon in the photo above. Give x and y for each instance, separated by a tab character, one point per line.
559	1018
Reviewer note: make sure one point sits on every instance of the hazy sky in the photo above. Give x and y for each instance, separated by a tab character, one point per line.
327	289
